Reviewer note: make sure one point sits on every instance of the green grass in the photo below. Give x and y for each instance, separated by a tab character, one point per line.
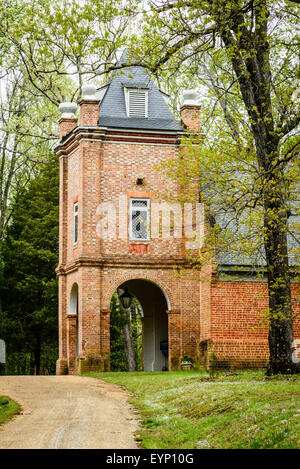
8	408
189	409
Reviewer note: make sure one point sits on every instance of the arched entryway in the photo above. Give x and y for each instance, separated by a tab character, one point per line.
154	303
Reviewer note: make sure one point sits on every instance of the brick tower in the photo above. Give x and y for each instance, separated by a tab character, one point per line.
109	185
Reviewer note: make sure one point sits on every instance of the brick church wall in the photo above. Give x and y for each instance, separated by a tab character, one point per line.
99	171
205	315
238	323
121	165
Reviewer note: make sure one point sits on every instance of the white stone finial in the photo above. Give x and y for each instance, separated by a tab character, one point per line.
89	92
190	98
68	109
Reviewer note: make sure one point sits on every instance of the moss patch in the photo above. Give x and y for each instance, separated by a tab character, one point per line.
8	408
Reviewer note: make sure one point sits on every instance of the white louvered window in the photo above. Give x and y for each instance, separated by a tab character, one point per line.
136	102
139	227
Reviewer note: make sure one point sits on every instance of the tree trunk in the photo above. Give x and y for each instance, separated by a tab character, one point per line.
280	304
255	88
37	356
277	261
129	347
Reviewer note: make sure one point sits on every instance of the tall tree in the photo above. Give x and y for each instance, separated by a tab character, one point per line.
257	41
28	286
125	336
48	50
74	39
27	131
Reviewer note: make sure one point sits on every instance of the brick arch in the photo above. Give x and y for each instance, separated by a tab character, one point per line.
166	291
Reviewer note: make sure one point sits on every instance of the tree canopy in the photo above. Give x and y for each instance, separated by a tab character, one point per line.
245	53
242	56
28	287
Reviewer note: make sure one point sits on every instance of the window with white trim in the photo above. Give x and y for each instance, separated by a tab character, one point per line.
136	102
139	222
75	221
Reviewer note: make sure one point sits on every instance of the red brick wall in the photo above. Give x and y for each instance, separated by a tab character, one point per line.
74	193
205	301
66	125
226	316
99	171
190	115
238	323
89	112
121	165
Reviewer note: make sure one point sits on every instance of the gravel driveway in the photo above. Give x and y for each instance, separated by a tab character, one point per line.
67	412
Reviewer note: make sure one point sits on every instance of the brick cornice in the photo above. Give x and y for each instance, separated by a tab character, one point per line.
190	106
173	311
104	312
89	101
125	262
71	141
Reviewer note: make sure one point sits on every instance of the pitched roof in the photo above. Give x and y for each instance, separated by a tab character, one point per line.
112	109
233	258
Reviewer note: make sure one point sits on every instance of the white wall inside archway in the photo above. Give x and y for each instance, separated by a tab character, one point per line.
73	309
155	304
73	304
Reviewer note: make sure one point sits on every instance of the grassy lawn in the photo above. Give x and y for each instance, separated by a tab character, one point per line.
8	408
189	409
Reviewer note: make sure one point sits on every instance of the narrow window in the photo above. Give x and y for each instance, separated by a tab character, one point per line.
75	212
139	228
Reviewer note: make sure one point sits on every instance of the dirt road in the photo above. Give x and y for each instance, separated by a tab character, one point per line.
67	412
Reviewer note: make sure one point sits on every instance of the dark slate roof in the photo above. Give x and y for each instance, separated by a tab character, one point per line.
112	109
233	258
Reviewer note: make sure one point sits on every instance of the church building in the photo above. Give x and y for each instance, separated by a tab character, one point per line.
111	189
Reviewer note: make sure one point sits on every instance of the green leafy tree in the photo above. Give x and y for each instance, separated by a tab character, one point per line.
27	131
117	322
73	39
246	54
125	333
29	302
28	120
48	50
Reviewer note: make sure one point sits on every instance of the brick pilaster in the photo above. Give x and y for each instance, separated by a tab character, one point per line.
68	121
190	110
66	125
190	116
89	107
105	338
89	113
71	341
174	333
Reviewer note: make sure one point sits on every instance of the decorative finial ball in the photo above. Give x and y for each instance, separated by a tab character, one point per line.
190	97
68	109
88	91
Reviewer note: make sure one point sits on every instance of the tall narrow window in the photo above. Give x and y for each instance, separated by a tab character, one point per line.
75	212
139	228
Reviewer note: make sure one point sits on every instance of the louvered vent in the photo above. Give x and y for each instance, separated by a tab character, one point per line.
137	103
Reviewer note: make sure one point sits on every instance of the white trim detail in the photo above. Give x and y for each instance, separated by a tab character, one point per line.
88	92
68	110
